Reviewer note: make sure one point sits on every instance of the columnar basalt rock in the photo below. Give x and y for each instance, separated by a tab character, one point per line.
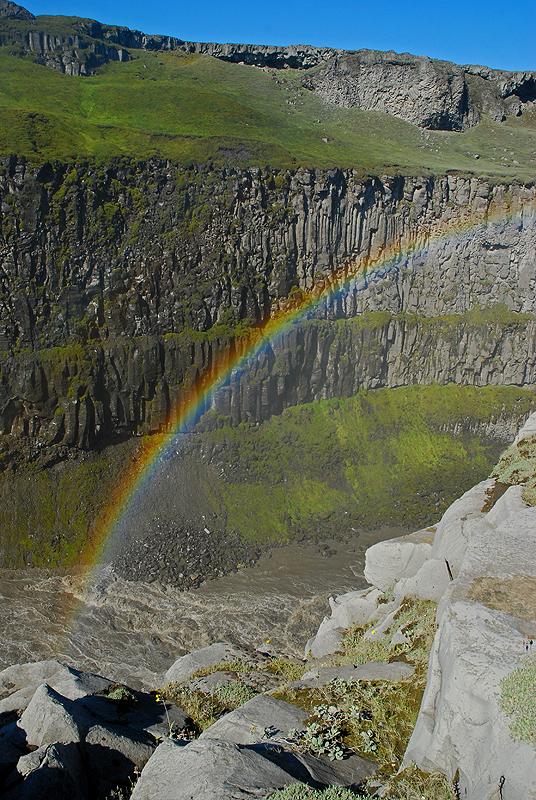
123	286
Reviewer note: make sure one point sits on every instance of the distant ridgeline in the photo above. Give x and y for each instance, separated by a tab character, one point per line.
436	95
125	279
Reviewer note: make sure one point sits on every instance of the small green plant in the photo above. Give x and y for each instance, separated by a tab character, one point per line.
323	734
518	699
290	670
369	741
234	694
299	791
204	709
121	693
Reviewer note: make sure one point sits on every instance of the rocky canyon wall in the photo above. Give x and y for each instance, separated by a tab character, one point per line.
123	284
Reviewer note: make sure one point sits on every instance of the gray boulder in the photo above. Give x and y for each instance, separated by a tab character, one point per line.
372	671
328	639
51	718
483	617
53	772
350	772
20	681
214	769
208	769
429	583
245	725
112	756
185	666
388	561
352	608
209	683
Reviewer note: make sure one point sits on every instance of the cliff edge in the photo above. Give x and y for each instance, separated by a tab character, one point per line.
478	563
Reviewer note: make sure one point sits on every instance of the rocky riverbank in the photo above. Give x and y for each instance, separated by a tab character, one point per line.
232	722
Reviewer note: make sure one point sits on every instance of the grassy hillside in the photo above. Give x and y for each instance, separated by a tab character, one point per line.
397	457
198	108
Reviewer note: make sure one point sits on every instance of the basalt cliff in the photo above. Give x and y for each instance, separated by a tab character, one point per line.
122	285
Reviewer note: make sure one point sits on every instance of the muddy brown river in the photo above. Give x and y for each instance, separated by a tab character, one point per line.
132	632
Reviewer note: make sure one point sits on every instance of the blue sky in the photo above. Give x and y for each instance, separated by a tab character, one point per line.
500	35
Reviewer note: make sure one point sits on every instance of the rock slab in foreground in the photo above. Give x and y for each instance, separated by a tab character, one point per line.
185	666
214	769
483	618
245	724
208	770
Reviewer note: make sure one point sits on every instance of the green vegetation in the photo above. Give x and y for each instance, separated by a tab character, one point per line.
396	457
299	791
193	108
518	699
517	465
371	717
415	619
205	708
47	516
410	784
374	718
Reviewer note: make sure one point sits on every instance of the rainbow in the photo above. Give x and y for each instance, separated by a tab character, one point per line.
353	276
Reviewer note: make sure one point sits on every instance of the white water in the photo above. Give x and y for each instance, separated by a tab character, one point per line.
132	632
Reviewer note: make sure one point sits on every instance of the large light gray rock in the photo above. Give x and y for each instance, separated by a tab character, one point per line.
21	680
50	718
135	748
389	561
185	666
53	772
352	608
483	618
328	639
457	525
349	772
112	756
208	769
429	583
372	671
216	769
245	724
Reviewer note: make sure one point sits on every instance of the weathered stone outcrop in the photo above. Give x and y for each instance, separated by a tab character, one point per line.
82	742
416	89
97	743
79	53
484	616
10	10
432	94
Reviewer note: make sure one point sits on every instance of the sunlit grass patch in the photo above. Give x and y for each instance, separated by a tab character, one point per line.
518	699
517	465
